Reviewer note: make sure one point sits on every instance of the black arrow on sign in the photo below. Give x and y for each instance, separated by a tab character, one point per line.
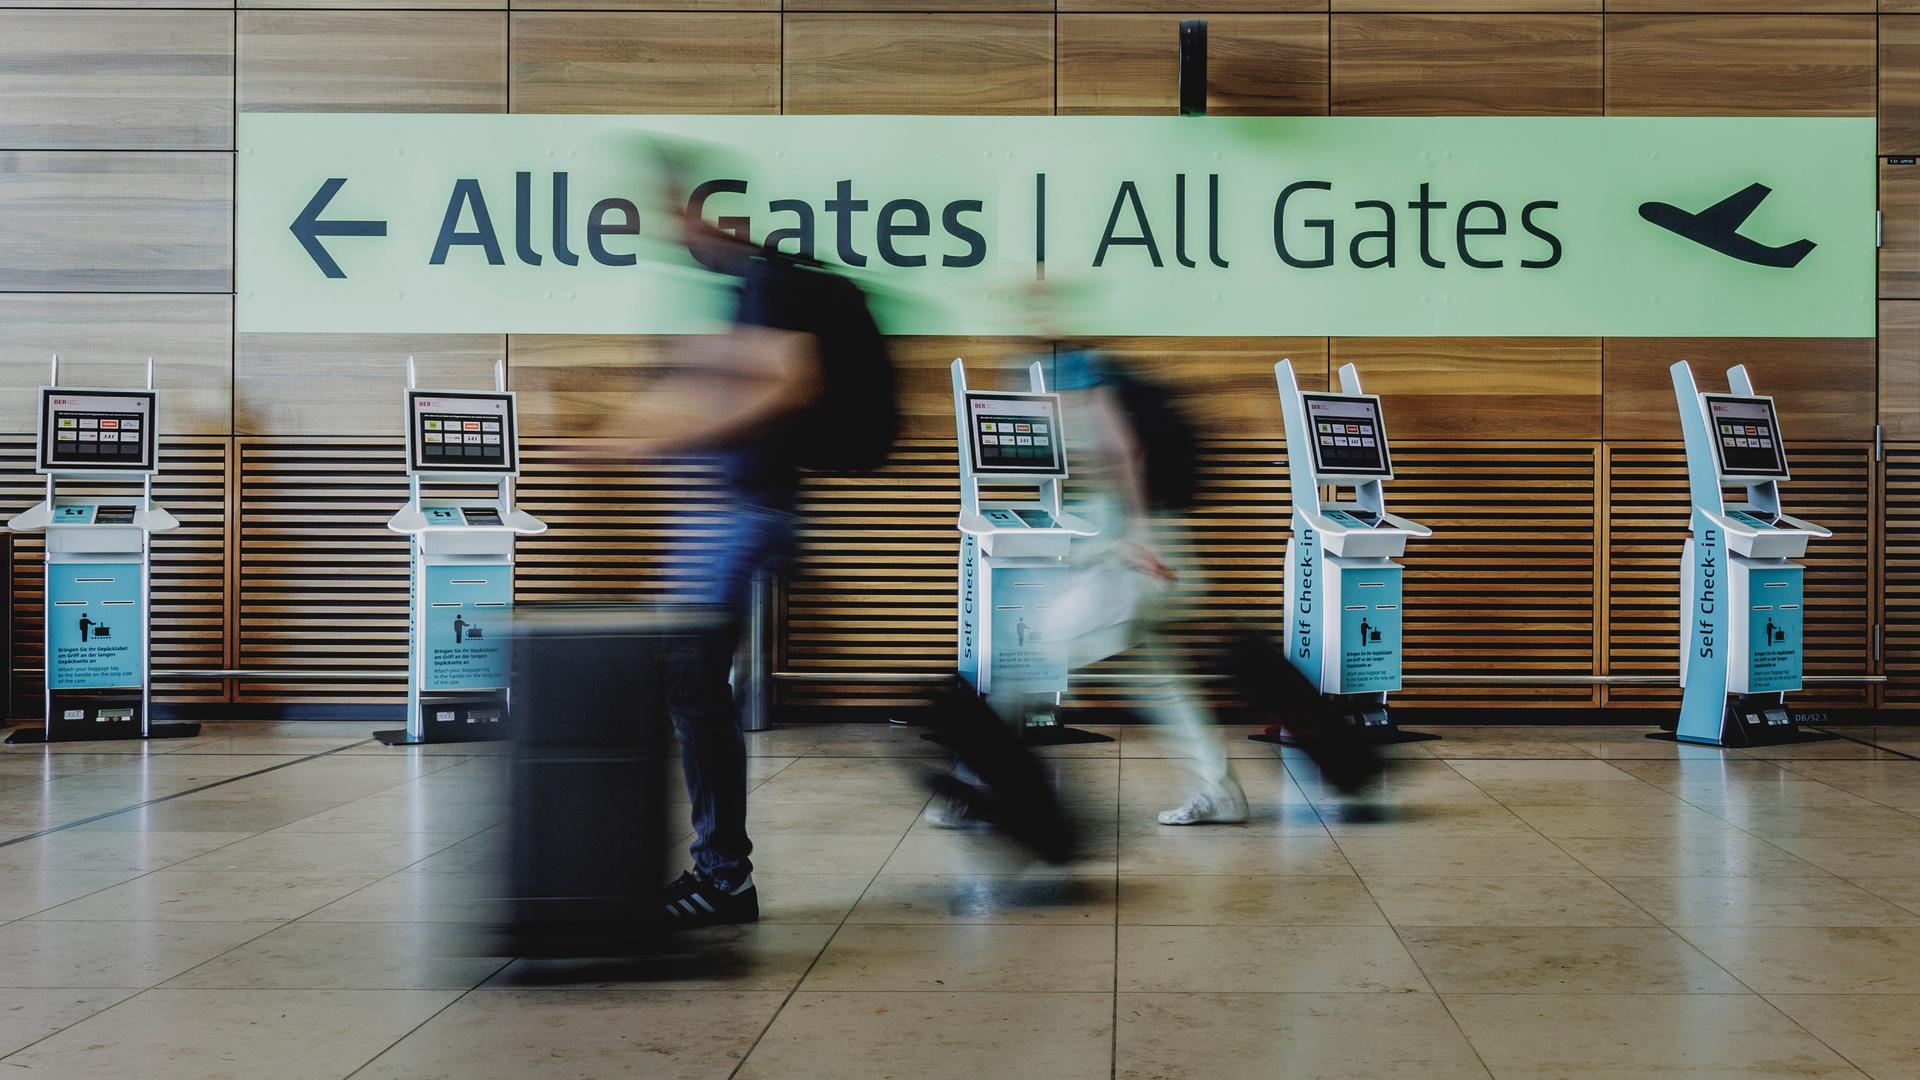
308	228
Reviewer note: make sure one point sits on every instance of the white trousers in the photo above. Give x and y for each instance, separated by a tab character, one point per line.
1108	608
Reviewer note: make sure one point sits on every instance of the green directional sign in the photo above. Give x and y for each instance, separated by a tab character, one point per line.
1385	226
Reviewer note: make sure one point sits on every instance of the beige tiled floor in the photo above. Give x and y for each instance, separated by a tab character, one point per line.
292	901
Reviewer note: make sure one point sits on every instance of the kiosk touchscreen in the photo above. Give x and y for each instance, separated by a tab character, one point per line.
1348	436
1741	596
467	433
461	587
1015	435
99	554
1013	548
1342	587
96	431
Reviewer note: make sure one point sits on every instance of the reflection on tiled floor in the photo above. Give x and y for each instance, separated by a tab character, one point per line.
295	901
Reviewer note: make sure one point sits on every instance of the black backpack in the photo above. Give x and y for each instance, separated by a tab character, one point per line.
853	428
1166	435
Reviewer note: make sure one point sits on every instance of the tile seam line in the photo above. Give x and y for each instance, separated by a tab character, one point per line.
222	782
760	1036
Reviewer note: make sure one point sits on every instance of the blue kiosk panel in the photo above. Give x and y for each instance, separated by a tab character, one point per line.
468	608
94	620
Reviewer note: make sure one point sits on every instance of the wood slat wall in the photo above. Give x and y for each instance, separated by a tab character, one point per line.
116	164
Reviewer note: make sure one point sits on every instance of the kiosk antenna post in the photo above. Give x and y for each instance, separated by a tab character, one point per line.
1741	595
1342	588
1012	565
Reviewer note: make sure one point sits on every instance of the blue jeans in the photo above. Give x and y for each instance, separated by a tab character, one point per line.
713	754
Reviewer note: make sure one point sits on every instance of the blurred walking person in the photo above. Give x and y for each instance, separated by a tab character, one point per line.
801	378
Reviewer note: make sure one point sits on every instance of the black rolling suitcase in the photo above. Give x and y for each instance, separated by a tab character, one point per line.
1267	681
589	774
1015	792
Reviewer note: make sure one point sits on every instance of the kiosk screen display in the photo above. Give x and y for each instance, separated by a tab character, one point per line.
105	431
1746	434
1348	437
464	433
1016	434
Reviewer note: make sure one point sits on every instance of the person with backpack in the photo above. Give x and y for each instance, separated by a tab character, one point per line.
802	378
1138	474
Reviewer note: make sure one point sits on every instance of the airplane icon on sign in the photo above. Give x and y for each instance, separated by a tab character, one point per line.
1718	227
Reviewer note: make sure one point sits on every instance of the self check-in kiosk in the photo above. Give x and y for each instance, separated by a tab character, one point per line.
1343	606
1741	599
1013	549
461	590
98	561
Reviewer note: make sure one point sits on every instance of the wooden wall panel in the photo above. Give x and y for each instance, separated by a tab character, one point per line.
73	4
127	80
1438	65
383	5
1257	65
1478	7
1648	513
1481	388
616	530
569	384
706	6
1531	509
874	589
1899	84
1744	7
335	61
645	62
1752	65
1899	230
1226	385
116	222
1901	584
347	384
1825	386
933	6
946	64
105	339
189	621
322	581
1192	8
1900	370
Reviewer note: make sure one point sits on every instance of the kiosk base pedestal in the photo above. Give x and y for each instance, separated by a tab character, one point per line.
398	737
1051	732
1749	720
1792	735
1732	736
1377	734
29	736
1372	721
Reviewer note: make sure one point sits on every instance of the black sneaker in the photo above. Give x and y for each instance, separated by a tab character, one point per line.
693	900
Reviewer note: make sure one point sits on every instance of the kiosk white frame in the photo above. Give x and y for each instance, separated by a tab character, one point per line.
1009	567
463	688
1736	570
1337	564
78	705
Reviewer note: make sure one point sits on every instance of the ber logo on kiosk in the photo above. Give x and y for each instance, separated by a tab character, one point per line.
1363	226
